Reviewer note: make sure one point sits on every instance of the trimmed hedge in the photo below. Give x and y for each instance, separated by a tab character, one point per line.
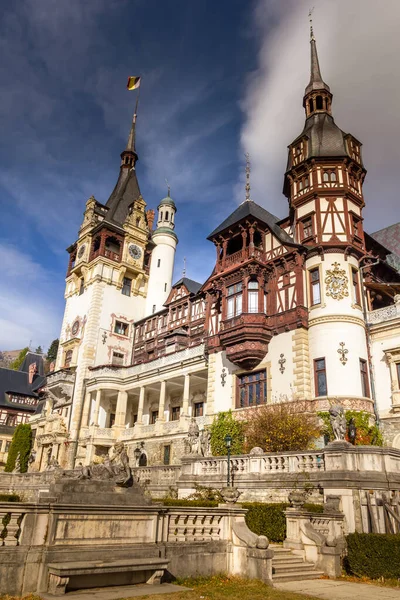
9	498
373	555
185	502
21	444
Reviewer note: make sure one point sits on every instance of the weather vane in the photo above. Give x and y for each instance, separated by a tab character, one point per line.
310	12
184	267
248	169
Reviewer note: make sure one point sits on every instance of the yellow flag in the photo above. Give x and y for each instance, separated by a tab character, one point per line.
133	83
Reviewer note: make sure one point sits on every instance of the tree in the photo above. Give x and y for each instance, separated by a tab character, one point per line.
281	427
21	444
15	364
52	351
224	424
39	350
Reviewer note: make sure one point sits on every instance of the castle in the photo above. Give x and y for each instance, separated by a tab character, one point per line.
305	308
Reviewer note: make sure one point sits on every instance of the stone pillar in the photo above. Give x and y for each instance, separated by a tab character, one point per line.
120	413
186	394
161	403
142	395
86	409
97	407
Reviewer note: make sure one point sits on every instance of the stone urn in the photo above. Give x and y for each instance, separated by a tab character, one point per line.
297	499
230	494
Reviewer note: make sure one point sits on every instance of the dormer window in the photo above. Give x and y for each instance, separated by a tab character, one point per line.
329	176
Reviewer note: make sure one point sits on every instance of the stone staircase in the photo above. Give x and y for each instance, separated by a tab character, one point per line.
287	566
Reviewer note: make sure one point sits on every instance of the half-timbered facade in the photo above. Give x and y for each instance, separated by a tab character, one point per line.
304	308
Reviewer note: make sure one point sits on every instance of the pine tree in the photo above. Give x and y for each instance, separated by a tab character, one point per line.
15	364
39	350
21	444
52	351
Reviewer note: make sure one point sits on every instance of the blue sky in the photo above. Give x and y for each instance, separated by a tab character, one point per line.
219	78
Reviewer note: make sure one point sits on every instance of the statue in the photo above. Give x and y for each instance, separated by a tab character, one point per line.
193	438
17	467
119	465
352	433
53	464
338	422
205	442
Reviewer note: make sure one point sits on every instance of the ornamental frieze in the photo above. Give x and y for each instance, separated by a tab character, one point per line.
336	282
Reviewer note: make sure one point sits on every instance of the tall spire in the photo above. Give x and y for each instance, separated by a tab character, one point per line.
131	143
248	169
316	81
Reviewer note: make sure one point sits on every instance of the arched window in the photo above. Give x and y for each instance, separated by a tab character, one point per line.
166	216
319	103
81	286
161	215
333	176
68	359
326	103
311	105
113	245
252	297
326	176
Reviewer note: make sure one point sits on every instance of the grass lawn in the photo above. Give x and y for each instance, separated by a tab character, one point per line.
221	587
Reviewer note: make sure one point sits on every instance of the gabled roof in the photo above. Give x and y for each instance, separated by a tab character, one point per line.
191	285
250	208
17	382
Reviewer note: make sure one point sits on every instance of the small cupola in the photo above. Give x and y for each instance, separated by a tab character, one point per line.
166	212
317	95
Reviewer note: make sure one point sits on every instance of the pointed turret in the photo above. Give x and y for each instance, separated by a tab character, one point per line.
127	188
317	95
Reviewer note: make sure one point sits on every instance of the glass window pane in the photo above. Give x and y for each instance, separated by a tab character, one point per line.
239	304
316	293
253	302
230	307
253	285
322	389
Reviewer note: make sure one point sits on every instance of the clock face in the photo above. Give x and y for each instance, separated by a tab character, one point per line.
81	251
135	251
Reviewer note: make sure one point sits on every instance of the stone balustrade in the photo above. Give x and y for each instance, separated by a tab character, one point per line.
387	313
194	525
10	526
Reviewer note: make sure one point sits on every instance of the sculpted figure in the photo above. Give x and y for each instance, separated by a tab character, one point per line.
17	467
120	464
205	442
338	422
193	438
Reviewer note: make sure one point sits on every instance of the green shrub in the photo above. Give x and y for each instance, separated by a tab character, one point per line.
224	424
366	435
373	555
267	519
21	444
186	502
9	498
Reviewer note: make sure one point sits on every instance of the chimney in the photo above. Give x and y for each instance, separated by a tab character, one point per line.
150	214
32	372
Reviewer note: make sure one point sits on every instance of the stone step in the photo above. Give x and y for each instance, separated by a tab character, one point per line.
297	576
300	566
288	558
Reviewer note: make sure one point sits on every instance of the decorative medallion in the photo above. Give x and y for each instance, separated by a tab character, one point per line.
75	327
223	377
135	251
336	282
342	351
81	251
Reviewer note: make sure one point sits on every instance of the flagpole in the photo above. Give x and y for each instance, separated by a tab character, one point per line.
137	103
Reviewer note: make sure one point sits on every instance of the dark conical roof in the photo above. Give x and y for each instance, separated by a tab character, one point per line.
316	81
325	138
127	188
250	208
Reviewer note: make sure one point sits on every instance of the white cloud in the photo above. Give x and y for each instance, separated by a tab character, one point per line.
30	301
358	45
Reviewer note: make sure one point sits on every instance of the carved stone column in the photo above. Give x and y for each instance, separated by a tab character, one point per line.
120	413
97	408
86	409
186	395
161	404
142	395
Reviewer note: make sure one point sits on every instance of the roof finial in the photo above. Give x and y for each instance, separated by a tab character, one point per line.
184	267
310	12
168	188
248	169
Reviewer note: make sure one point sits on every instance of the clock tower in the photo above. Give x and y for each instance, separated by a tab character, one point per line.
106	286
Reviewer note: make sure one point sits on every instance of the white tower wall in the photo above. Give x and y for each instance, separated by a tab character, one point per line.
161	271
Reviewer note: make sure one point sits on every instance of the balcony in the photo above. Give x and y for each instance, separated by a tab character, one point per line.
245	339
239	257
381	315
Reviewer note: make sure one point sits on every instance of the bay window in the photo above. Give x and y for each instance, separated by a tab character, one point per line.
252	296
